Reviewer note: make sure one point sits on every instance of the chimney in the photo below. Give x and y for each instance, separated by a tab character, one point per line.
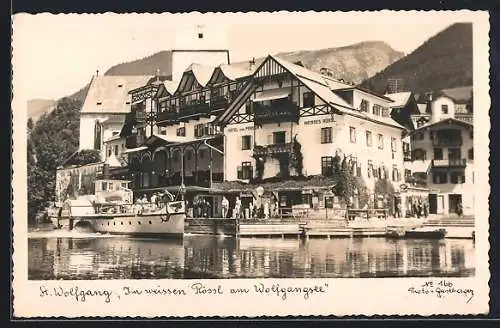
251	65
97	72
157	75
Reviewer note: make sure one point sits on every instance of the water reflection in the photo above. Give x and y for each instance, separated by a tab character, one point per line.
212	257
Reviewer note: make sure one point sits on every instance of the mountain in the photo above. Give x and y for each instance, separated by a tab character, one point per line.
37	107
354	63
443	61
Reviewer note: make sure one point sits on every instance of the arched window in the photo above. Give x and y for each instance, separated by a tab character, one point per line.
97	135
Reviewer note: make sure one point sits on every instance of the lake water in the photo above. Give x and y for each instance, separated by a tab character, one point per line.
73	255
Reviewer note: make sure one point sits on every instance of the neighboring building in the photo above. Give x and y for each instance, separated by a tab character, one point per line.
442	151
105	107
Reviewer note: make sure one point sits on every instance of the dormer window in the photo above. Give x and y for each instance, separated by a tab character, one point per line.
128	103
200	35
444	109
364	106
120	85
99	103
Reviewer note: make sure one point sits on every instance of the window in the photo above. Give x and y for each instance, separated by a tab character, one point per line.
352	132
439	177
97	135
368	138
377	110
385	112
396	175
116	149
393	145
246	142
370	169
181	132
109	151
326	135
327	166
418	136
245	171
438	153
380	139
444	109
200	35
457	177
419	154
364	106
201	153
471	154
308	99
279	137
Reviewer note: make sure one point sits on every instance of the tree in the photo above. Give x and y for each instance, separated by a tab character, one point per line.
348	185
385	188
51	141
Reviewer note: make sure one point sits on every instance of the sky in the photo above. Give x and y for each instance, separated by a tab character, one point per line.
56	55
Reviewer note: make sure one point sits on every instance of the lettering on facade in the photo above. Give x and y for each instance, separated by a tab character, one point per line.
325	120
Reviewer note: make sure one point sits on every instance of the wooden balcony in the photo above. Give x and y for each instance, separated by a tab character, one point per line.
194	110
465	117
168	117
273	149
219	103
450	143
134	141
277	112
450	163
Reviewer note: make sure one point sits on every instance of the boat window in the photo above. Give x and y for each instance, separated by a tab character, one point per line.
150	222
121	223
139	222
130	222
114	223
108	223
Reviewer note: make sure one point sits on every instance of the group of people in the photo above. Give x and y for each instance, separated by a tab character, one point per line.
418	209
202	208
155	202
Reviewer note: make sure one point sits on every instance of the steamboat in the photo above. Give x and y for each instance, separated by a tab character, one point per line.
112	210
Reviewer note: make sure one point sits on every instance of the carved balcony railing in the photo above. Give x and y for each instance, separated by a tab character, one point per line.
465	117
167	117
194	110
439	142
454	162
277	112
273	149
219	103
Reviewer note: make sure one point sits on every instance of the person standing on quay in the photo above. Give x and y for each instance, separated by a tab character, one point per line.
225	207
237	208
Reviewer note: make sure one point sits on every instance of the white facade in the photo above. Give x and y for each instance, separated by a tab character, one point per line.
308	131
110	124
450	165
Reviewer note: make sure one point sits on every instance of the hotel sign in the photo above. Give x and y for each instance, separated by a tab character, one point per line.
324	121
248	128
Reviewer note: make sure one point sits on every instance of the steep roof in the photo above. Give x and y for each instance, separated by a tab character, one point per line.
110	94
446	120
233	73
318	84
323	87
399	99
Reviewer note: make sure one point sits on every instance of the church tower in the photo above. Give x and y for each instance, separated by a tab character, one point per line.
199	44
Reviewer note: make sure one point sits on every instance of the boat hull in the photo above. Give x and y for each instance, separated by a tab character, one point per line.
138	225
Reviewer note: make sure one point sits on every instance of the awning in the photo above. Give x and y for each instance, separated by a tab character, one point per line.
133	150
272	94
